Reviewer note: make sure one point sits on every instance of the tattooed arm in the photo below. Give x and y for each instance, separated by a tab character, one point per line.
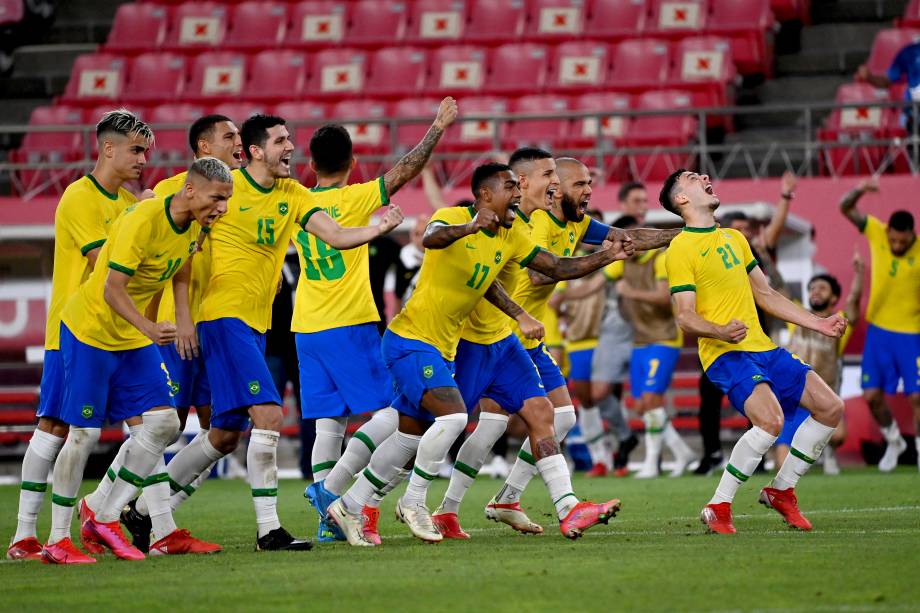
441	235
497	296
849	200
561	269
644	239
412	163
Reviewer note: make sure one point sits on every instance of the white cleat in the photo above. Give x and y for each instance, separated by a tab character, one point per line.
831	467
681	464
647	472
889	461
513	515
351	524
418	518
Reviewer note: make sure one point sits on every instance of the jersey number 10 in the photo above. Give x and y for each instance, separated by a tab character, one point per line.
323	263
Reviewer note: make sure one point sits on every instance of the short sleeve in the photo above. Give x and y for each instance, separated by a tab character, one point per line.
452	216
661	267
164	188
614	270
127	252
681	276
366	197
875	231
305	204
525	248
85	223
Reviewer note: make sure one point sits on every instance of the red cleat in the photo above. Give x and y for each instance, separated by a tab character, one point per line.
586	514
598	470
786	504
180	542
111	536
25	549
370	516
85	511
449	526
718	517
65	552
621	472
89	542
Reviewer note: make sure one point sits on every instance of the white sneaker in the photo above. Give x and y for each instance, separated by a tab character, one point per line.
681	464
831	467
352	525
513	515
418	518
648	471
498	468
889	461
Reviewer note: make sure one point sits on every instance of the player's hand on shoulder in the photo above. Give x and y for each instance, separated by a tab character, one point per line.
447	113
833	326
391	219
734	331
162	333
530	327
485	219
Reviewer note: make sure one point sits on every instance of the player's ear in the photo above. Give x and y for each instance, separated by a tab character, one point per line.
312	166
352	164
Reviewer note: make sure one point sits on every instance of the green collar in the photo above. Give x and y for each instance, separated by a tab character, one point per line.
101	189
172	224
324	189
472	211
256	185
522	215
700	230
561	224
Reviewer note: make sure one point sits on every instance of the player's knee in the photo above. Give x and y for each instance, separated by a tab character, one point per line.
835	409
452	423
772	424
873	396
84	437
267	417
563	419
224	441
160	427
388	419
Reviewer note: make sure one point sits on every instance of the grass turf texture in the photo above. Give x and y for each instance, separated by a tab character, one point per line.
862	556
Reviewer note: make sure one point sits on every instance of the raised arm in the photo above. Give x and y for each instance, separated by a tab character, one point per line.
849	200
412	163
693	323
116	296
781	307
875	80
440	235
775	227
644	239
497	296
561	269
851	310
330	232
432	189
186	339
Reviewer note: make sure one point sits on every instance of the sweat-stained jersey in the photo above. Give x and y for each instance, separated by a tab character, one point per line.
894	299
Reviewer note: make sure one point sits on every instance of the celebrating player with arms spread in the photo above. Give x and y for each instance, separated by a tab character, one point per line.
715	284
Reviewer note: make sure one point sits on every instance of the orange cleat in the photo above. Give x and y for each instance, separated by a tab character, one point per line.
180	542
449	526
65	552
598	470
25	549
718	517
587	514
111	536
370	516
785	503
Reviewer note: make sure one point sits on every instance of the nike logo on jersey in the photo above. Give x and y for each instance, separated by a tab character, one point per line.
469	246
243	209
159	255
553	244
703	253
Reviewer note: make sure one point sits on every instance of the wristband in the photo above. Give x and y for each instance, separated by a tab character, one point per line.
787	195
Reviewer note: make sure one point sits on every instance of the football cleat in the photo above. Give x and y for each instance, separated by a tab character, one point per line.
65	552
418	518
88	539
513	515
621	457
351	524
785	503
587	514
180	542
831	467
371	516
25	549
681	462
280	539
138	525
111	536
449	526
647	471
718	518
320	498
85	512
598	470
894	449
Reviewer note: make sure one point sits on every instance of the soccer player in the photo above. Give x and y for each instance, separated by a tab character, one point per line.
247	252
466	249
112	368
335	318
892	349
823	354
209	136
715	283
633	200
82	222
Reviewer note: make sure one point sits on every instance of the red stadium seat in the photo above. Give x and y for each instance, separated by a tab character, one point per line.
276	75
216	75
665	131
11	11
240	111
612	128
495	21
317	23
789	10
197	25
850	126
551	20
703	65
579	66
437	22
44	147
138	27
546	133
398	71
295	112
338	73
171	151
749	25
478	134
96	77
366	138
155	77
257	24
677	18
457	70
409	135
639	65
375	24
886	46
911	18
615	19
517	68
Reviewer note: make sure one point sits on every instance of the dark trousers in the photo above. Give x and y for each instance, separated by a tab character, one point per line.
710	415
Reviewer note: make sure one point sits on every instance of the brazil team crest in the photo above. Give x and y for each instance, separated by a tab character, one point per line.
254	387
87	411
498	257
428	371
282	208
571	237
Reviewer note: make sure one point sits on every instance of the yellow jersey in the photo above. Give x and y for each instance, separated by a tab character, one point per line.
146	245
715	263
82	222
550	323
201	263
335	287
614	271
894	300
559	238
453	280
248	246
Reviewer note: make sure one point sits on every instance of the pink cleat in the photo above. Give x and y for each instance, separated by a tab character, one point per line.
111	536
65	552
449	526
25	549
371	516
88	541
587	514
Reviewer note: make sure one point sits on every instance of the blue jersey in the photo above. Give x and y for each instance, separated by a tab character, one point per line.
906	65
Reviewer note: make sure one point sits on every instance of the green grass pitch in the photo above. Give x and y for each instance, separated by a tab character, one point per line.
864	555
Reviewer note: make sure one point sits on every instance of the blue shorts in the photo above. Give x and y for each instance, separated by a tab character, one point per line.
189	378
737	372
416	367
547	367
651	368
888	357
580	364
102	385
51	392
342	372
234	356
502	371
792	424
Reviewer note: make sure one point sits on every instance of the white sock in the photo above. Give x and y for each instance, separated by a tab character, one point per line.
378	496
655	421
142	453
471	457
675	443
94	500
745	457
190	467
811	436
592	429
386	464
327	447
555	474
917	447
37	463
262	466
68	474
432	450
359	449
892	433
156	495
